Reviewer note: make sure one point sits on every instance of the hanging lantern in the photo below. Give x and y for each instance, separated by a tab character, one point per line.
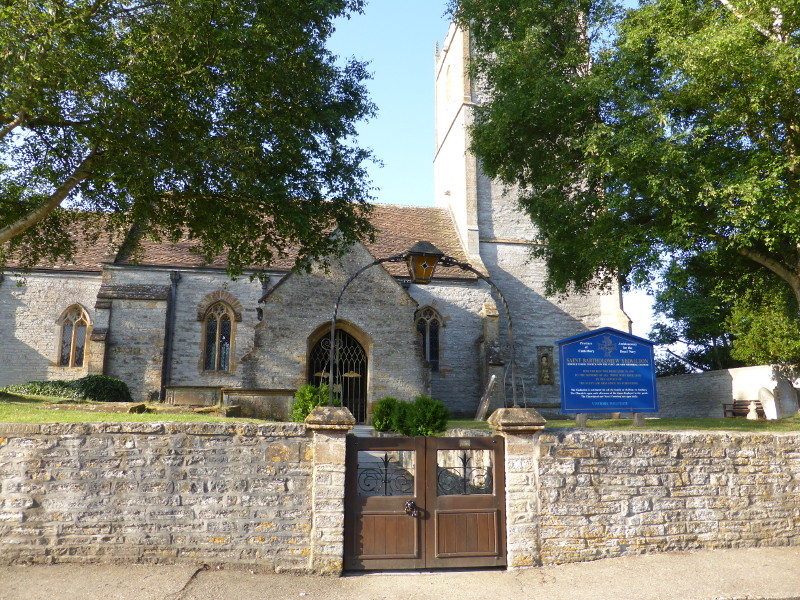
421	261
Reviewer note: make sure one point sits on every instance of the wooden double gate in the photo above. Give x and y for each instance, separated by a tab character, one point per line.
425	502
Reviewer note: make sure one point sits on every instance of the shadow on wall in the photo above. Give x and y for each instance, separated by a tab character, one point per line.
28	351
537	320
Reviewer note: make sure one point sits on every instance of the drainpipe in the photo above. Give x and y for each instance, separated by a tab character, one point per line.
169	335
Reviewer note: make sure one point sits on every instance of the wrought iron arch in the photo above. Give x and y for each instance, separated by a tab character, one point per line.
349	371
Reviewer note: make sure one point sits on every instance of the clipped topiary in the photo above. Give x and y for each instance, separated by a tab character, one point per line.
306	398
403	419
428	416
102	388
382	413
57	389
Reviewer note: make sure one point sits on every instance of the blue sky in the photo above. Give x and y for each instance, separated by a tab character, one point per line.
399	40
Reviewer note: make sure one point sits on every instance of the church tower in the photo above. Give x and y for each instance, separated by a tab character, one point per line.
498	236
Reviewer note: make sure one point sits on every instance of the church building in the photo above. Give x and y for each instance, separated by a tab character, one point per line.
176	329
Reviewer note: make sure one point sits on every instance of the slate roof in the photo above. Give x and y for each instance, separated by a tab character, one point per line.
399	228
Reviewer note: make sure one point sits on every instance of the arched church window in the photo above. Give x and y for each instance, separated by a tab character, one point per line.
429	323
74	325
218	332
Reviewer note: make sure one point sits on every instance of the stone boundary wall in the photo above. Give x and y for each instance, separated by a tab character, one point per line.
238	494
584	495
270	496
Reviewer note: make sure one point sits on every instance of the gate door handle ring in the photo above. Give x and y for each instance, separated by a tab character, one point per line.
412	510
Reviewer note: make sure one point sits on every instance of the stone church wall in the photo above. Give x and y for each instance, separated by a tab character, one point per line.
458	382
187	360
28	315
137	308
498	236
374	309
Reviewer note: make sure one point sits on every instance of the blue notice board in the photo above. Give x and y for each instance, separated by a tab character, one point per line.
607	370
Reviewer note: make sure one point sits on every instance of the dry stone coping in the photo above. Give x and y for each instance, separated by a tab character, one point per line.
156	428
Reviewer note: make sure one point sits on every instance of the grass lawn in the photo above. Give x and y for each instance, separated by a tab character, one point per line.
737	424
37	409
16	408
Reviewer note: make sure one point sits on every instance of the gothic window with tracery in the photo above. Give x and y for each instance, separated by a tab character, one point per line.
218	329
428	324
74	325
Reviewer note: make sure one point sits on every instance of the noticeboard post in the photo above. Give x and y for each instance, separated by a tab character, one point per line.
607	370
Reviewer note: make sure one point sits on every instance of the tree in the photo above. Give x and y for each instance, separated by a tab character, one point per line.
724	311
635	135
694	298
227	120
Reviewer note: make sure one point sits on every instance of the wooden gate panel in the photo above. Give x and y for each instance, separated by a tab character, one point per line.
466	534
416	503
387	535
465	497
382	475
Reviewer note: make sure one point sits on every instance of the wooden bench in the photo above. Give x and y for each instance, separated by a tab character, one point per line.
740	408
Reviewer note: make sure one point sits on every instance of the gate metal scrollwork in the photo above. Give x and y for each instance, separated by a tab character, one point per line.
385	478
463	479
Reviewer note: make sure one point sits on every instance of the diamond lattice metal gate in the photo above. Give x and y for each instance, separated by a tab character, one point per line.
349	371
413	503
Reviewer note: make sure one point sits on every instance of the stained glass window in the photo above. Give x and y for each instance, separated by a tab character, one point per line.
74	325
218	338
428	324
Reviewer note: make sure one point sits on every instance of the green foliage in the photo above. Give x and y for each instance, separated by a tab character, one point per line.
728	312
97	388
228	121
424	416
382	413
670	365
56	389
306	398
401	420
429	416
694	298
767	328
102	388
635	135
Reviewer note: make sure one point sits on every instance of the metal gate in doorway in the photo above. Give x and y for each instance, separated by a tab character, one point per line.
349	371
425	502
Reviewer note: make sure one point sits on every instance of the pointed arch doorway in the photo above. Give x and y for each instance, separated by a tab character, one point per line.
349	371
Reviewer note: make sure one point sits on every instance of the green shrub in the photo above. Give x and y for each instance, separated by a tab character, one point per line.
99	388
430	416
402	419
306	398
57	389
382	413
102	388
424	416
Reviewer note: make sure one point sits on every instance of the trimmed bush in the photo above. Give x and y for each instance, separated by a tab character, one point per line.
382	413
429	416
57	389
403	419
102	388
98	388
424	416
306	398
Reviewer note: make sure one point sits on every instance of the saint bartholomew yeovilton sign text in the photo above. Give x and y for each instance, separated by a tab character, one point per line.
607	371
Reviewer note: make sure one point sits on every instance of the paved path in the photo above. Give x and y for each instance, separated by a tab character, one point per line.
756	574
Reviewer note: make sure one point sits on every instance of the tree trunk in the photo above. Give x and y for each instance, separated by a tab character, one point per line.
84	171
